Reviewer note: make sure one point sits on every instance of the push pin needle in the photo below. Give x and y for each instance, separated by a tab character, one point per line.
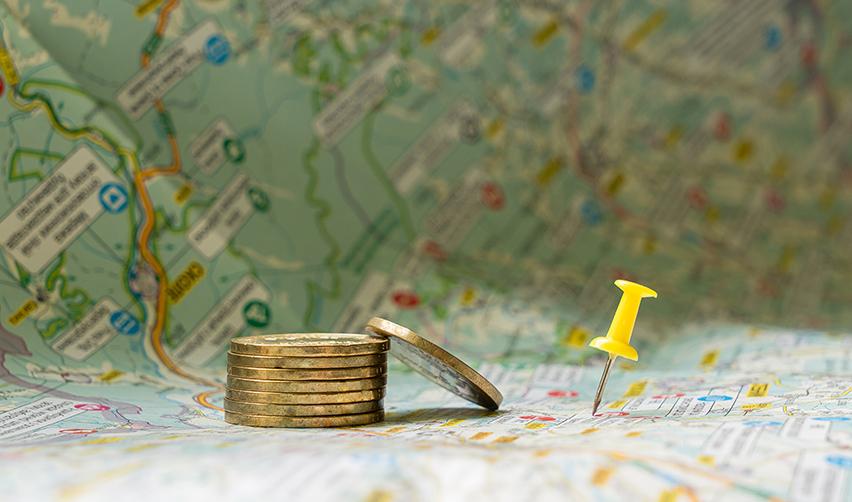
617	340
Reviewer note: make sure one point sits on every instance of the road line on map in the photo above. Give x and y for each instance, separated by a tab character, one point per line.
323	212
202	399
156	338
148	227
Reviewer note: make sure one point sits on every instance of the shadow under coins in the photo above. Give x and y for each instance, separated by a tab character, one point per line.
435	414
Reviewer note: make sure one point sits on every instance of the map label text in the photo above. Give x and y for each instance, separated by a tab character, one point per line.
56	211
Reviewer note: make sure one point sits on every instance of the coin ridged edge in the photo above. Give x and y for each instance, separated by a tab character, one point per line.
304	422
355	396
305	386
387	328
291	362
303	410
308	374
248	345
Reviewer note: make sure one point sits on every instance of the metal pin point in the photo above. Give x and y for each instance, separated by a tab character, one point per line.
617	340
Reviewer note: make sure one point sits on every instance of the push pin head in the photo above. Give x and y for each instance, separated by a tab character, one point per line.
617	340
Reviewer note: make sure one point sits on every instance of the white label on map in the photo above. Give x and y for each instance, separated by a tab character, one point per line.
223	322
212	231
807	429
732	442
370	300
279	11
33	416
714	405
431	148
459	45
512	382
207	149
353	102
649	404
450	222
89	334
688	406
499	374
57	210
167	69
556	374
820	476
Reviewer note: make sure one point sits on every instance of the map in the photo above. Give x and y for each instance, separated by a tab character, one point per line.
179	172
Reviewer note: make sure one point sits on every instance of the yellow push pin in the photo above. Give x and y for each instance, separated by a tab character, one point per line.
617	340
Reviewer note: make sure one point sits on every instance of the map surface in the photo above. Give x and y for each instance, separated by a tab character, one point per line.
176	173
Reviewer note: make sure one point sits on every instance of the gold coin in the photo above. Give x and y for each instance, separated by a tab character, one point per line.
310	344
305	386
313	398
302	410
312	374
328	421
306	362
437	364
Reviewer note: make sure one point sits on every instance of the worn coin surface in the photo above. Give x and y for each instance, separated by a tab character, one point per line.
302	410
305	386
305	398
308	374
284	421
310	344
437	364
306	362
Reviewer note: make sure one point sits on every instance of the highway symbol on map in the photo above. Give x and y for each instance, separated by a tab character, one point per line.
259	199
714	398
217	49
124	322
113	197
397	80
840	461
585	78
234	150
256	313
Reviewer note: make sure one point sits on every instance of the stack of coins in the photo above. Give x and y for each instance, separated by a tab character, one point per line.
306	380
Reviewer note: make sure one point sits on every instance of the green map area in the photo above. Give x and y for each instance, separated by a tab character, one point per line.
176	173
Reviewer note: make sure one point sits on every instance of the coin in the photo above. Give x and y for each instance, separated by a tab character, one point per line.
283	421
310	344
303	398
437	364
312	374
305	386
302	410
306	362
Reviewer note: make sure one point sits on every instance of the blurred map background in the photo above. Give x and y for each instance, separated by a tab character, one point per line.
176	173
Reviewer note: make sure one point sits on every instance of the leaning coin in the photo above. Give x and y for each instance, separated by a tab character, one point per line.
302	410
306	362
437	364
282	421
303	386
303	398
312	374
310	344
